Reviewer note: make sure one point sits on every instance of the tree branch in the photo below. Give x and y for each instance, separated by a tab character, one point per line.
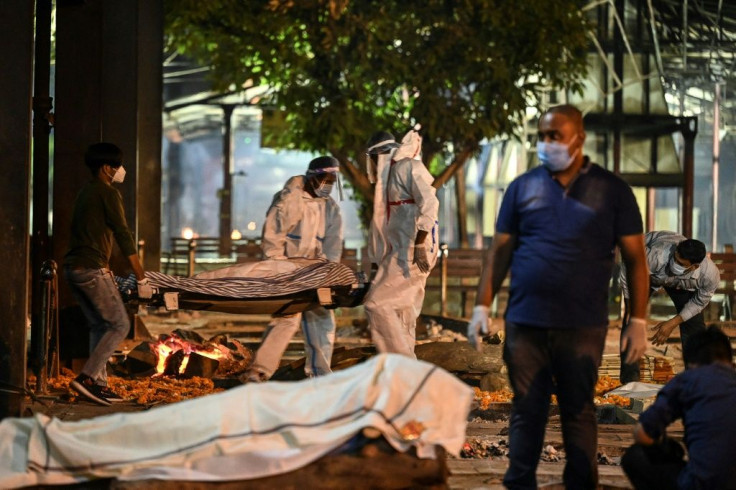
450	170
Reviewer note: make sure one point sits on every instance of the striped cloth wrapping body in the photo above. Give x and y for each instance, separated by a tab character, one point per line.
313	276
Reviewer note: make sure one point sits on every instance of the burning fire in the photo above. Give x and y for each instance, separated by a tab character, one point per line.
171	344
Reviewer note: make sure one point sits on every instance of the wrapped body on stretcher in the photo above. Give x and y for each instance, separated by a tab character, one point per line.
276	287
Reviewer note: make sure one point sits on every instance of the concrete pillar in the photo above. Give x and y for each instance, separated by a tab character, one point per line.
150	45
108	88
16	58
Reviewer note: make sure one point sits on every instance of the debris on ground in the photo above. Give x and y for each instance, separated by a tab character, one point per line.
479	448
144	391
484	399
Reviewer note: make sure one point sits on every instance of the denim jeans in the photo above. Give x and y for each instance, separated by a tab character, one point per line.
679	297
102	305
543	361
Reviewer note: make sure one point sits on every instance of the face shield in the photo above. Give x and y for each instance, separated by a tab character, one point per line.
323	180
376	156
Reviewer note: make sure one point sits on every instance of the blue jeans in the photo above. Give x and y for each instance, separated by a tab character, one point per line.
543	361
99	298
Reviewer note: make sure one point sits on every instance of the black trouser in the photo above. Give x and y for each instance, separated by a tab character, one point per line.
543	361
680	297
656	467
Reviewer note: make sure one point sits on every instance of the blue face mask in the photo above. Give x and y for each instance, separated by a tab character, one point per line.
555	156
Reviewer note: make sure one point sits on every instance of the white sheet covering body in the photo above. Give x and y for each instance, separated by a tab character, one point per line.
264	279
248	432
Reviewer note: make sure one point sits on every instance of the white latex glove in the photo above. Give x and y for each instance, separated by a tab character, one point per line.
145	291
420	258
634	340
478	325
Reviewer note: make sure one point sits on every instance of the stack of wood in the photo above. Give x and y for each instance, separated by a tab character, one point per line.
663	370
653	369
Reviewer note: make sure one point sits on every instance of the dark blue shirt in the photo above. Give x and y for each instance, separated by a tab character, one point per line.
704	398
565	241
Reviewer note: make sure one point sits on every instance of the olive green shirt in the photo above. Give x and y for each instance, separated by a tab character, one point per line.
98	217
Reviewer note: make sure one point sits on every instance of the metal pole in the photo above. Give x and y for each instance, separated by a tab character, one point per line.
48	321
227	179
689	133
42	105
716	161
190	257
618	96
443	279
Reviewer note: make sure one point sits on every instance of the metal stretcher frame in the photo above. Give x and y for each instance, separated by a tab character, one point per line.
312	283
329	297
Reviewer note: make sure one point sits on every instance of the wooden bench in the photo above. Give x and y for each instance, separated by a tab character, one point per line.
189	256
458	270
726	263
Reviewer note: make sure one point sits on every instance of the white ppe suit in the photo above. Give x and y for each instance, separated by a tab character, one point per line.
404	203
300	225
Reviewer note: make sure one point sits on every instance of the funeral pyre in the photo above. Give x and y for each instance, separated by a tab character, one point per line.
186	354
175	367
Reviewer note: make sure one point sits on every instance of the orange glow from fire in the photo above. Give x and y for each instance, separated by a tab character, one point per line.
167	347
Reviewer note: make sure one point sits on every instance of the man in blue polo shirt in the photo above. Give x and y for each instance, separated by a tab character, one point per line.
557	230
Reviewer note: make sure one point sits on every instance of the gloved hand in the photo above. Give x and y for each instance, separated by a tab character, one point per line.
420	258
634	340
145	291
479	324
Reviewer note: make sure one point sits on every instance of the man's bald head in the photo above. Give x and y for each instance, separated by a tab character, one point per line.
570	112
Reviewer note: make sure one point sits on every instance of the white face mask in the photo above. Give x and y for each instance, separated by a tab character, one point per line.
675	268
119	175
323	190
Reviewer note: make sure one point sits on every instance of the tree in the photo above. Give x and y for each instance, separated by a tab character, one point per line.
341	69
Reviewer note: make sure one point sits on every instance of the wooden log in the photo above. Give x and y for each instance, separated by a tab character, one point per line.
201	366
376	465
141	361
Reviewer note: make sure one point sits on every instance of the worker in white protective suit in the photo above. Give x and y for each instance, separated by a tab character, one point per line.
303	221
403	239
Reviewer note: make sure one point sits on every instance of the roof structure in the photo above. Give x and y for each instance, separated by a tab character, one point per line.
695	48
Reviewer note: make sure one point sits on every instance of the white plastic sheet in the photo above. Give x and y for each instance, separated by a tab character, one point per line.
247	432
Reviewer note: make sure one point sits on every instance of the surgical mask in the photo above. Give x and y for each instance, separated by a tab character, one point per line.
323	190
555	156
675	268
119	175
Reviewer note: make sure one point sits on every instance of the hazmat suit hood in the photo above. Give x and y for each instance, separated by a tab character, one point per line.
411	145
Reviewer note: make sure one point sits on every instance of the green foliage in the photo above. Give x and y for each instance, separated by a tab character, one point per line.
465	69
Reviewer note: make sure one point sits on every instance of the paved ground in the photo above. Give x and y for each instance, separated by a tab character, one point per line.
466	473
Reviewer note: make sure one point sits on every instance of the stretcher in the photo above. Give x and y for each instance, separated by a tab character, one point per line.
275	287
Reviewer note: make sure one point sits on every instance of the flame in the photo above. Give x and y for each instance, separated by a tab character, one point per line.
169	345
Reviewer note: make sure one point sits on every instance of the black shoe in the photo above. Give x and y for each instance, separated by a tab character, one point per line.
110	395
85	386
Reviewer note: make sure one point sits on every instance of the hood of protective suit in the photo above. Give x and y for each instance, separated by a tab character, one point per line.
411	145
